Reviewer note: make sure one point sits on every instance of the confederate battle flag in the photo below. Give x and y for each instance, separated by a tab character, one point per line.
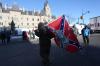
64	35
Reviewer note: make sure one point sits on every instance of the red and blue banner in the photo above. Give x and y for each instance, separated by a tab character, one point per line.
64	35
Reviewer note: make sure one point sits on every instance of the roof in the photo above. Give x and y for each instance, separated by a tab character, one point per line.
94	17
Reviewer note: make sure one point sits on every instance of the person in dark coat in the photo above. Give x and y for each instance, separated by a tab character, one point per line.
8	35
24	35
3	37
45	36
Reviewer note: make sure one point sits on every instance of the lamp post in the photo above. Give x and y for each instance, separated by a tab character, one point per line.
84	13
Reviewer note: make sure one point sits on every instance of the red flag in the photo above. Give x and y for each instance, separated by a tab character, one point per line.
55	24
62	24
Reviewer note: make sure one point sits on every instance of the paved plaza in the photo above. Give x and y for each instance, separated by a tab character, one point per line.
26	53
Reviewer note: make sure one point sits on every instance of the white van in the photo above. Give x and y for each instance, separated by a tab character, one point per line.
79	28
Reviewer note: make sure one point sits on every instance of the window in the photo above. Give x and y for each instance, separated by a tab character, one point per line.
12	17
37	19
27	19
27	23
22	24
8	17
92	24
21	18
0	17
2	24
98	24
9	23
33	24
15	18
44	20
36	27
33	19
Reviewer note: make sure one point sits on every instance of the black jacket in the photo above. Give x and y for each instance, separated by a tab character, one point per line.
44	37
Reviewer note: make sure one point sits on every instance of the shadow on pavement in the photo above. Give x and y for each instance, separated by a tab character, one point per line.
24	53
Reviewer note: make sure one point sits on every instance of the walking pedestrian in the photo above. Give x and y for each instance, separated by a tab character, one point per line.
86	34
33	34
25	35
3	37
8	35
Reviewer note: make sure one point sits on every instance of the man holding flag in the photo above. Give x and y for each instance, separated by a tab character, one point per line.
45	37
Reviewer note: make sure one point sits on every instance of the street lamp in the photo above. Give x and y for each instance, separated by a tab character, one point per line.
82	17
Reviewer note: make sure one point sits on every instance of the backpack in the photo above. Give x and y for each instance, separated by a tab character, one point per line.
86	32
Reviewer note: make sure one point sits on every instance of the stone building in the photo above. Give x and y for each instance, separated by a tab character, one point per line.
23	18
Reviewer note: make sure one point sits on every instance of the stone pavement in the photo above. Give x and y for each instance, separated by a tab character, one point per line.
23	53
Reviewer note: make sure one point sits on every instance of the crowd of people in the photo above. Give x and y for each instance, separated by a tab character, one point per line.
28	35
45	36
6	34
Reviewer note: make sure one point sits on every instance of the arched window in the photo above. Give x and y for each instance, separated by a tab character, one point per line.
27	19
33	24
27	23
0	23
38	19
0	17
22	24
33	19
98	25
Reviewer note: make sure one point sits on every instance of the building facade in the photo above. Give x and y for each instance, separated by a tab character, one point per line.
95	23
23	18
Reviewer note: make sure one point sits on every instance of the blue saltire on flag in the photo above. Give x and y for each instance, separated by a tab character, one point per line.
62	24
60	33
